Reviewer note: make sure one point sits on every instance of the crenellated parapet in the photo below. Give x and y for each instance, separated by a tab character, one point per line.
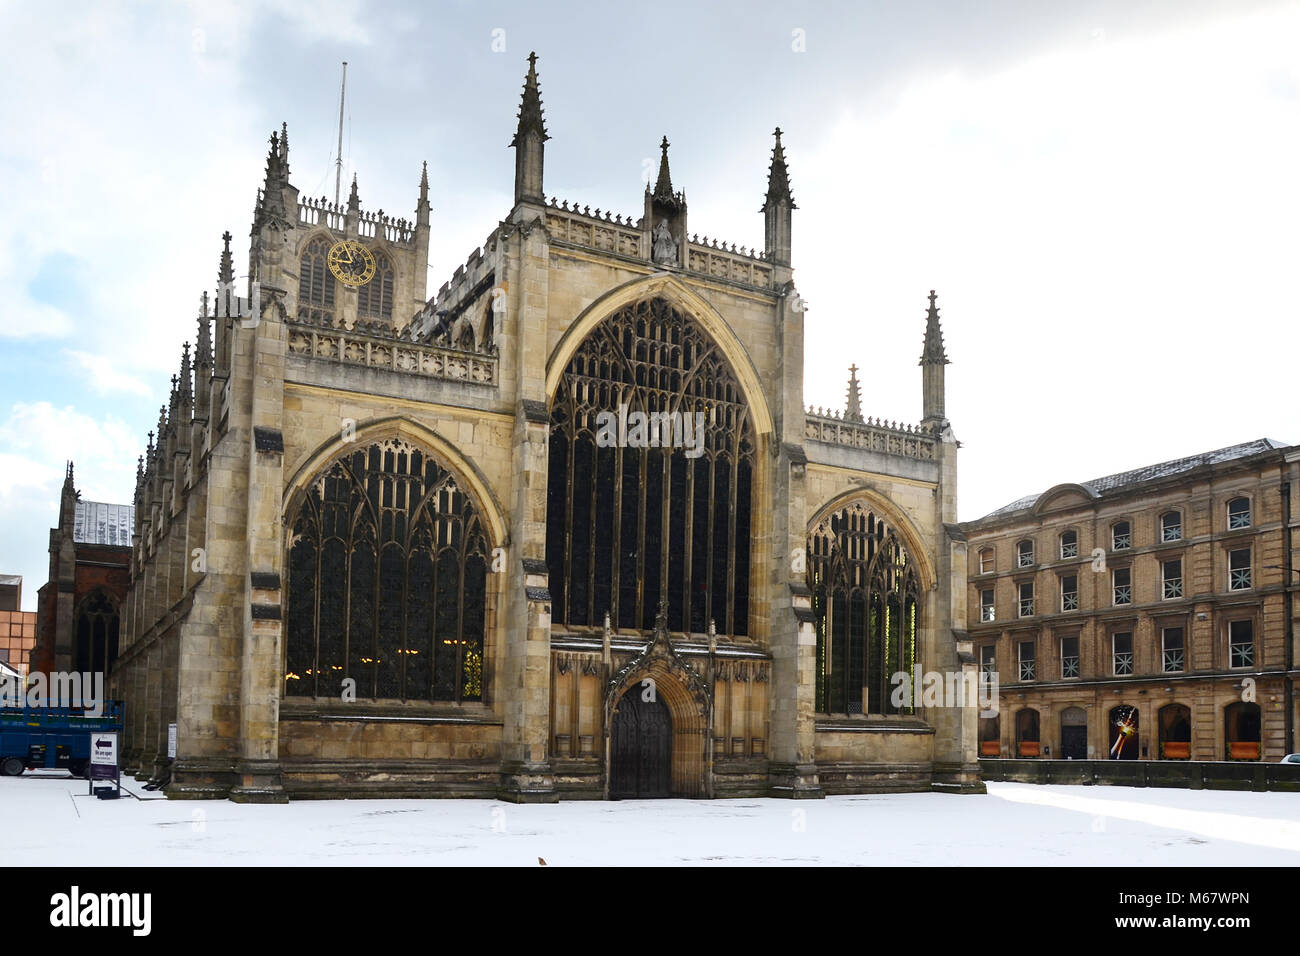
872	434
619	235
375	344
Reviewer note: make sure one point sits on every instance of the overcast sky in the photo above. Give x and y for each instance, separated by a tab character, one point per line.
1103	194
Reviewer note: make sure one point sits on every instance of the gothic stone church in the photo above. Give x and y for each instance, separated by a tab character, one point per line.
382	548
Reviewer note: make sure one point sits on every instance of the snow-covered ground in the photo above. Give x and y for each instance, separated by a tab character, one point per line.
50	819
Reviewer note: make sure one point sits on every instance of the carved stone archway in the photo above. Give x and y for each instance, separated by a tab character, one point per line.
658	670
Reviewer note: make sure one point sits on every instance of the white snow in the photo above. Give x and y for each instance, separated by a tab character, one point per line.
54	821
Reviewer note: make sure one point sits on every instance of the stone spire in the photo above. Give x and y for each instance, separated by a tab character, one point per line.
67	499
226	271
284	152
270	206
778	177
664	184
853	402
933	359
778	206
186	395
354	198
933	351
203	344
422	206
529	140
531	119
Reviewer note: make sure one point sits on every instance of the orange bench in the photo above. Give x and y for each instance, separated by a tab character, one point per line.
1029	748
1177	750
1243	750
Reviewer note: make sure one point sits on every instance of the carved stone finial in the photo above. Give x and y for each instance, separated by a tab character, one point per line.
933	352
853	403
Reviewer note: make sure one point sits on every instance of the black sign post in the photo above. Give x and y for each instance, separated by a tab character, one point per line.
103	760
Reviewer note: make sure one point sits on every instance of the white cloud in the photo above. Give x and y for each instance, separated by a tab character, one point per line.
1110	228
105	376
42	438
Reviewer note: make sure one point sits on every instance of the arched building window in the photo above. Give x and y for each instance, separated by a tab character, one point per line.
866	605
97	635
387	580
375	298
316	283
650	478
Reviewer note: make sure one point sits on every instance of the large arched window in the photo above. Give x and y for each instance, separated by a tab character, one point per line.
316	283
866	602
650	478
97	635
387	581
375	298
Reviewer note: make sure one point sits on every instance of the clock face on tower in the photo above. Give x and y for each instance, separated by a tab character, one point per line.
351	262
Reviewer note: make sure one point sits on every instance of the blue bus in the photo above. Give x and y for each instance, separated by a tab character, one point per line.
52	737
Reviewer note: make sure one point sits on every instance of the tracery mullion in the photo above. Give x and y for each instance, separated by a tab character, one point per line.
642	497
616	552
688	537
574	437
589	543
460	622
665	517
708	564
733	490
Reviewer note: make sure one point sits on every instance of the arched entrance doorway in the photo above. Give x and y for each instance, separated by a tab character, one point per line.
1074	734
1242	727
641	746
1175	732
990	737
1027	733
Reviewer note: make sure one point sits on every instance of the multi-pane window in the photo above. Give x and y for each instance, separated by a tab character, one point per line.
1122	585
1069	544
866	600
1026	598
1025	554
1122	653
634	524
986	605
1070	592
1172	578
375	298
1239	569
1241	643
1070	657
986	561
316	283
1171	526
387	565
1026	660
1171	649
1239	513
988	664
1121	536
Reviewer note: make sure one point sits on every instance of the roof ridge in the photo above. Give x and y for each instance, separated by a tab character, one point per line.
1155	470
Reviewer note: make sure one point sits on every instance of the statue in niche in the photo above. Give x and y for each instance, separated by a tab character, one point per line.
665	246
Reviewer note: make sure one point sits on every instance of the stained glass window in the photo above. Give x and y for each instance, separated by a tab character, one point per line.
866	599
650	479
387	568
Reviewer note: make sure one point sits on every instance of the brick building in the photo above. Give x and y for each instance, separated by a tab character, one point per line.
17	627
385	545
78	611
1144	615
